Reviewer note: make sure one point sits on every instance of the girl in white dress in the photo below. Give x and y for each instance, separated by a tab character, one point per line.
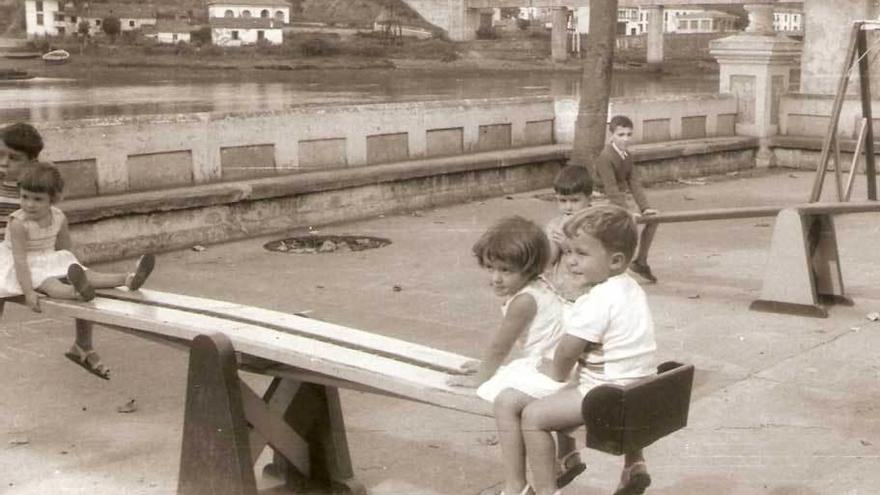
516	251
35	257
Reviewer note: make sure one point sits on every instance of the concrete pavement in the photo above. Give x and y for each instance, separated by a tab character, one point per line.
783	405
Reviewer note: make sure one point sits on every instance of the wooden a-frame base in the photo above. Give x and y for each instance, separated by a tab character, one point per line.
803	268
227	425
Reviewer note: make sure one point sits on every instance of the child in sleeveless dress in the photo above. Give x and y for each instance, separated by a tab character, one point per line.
36	256
516	251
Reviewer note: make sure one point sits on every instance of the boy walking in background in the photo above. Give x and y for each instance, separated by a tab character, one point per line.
616	170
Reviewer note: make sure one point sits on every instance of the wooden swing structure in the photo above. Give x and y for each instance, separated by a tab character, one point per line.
803	268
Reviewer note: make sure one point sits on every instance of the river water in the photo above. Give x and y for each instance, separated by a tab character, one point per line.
41	100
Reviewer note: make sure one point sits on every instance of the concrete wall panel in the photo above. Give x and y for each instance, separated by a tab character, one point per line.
442	142
693	127
744	88
80	178
538	132
322	153
494	137
159	170
725	125
246	162
807	125
656	130
385	148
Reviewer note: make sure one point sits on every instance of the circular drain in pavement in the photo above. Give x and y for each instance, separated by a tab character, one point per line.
314	244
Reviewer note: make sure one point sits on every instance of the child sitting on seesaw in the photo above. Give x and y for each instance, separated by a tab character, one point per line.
515	252
608	333
36	255
573	188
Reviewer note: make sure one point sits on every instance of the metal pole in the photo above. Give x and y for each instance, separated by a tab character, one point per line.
865	83
835	112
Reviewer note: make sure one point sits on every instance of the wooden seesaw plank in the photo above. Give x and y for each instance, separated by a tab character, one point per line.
759	211
324	358
397	349
711	214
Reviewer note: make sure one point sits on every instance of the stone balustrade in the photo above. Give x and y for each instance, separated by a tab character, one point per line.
131	154
153	183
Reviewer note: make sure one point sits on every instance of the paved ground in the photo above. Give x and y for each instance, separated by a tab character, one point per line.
783	405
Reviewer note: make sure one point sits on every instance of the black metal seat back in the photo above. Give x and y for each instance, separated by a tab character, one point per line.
621	419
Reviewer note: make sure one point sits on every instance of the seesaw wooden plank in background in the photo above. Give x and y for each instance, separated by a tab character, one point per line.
344	336
759	211
324	358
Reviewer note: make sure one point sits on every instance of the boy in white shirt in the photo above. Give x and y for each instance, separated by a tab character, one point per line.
609	334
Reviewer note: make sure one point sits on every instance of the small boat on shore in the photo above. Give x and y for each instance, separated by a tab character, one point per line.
56	57
14	75
21	55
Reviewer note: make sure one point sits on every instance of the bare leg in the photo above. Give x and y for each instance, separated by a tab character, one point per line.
559	411
508	408
82	351
84	335
53	287
106	280
634	478
565	444
646	238
633	457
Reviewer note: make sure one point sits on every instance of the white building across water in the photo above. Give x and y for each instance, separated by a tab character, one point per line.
277	10
55	18
240	31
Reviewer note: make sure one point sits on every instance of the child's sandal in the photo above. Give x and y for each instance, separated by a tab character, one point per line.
77	277
88	360
571	467
142	270
634	480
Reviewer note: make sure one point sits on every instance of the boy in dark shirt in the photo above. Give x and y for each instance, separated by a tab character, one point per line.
617	172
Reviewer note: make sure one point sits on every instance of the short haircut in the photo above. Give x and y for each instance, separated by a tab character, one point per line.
612	225
515	241
619	121
42	177
573	179
24	138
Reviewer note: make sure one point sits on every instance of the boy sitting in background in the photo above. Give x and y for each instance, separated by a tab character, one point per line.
573	187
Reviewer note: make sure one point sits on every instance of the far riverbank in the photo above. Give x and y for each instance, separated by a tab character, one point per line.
121	62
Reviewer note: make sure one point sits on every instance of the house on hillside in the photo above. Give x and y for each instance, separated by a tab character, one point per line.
44	18
173	31
788	20
132	16
56	18
240	31
277	10
705	21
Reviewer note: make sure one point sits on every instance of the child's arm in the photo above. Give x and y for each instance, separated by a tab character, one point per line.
20	263
557	239
520	313
569	349
638	193
605	169
62	241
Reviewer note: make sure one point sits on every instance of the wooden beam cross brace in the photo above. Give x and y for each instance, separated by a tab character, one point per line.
227	425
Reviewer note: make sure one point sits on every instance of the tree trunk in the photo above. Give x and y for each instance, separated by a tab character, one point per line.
589	133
